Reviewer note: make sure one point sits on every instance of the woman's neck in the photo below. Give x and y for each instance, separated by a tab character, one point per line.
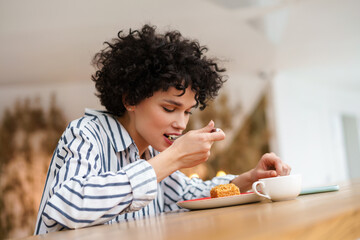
129	125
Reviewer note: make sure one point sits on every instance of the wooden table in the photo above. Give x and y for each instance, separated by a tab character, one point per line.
332	215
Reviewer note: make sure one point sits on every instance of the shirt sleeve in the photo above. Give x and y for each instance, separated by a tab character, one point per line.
179	187
82	195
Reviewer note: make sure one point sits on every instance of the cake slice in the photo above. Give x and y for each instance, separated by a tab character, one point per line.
224	190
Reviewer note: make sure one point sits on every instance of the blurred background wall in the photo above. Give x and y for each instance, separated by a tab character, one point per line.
293	88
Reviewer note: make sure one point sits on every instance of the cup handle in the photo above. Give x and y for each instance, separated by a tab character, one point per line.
254	186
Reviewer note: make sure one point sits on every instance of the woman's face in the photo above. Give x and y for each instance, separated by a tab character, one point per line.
155	120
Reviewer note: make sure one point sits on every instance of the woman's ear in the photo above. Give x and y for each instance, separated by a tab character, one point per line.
128	107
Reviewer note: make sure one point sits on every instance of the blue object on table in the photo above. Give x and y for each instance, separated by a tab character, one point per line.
321	189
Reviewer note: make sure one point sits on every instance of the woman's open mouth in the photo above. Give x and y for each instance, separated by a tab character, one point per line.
172	137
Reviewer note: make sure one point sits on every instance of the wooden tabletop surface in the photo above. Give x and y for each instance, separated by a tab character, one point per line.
331	215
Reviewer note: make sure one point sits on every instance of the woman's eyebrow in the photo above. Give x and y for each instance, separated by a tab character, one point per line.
173	102
177	103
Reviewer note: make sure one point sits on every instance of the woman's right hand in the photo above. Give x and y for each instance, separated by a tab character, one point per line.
187	151
194	147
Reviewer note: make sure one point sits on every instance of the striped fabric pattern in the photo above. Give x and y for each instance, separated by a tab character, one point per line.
96	176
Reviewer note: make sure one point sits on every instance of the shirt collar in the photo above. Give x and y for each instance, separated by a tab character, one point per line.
119	137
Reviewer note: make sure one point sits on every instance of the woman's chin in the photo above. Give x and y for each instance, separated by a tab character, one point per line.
162	147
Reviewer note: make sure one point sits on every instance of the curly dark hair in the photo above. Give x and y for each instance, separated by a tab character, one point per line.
134	66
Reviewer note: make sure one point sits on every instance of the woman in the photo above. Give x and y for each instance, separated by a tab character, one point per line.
123	163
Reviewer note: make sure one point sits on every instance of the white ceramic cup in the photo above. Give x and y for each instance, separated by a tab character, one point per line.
279	188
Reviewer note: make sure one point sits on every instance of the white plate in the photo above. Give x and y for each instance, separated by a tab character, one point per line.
203	203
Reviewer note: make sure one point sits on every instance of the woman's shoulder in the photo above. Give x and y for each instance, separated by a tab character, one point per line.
101	125
89	122
90	117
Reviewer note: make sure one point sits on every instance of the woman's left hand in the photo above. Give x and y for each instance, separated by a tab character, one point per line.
270	165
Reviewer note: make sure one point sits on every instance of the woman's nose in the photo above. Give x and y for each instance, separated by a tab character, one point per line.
180	122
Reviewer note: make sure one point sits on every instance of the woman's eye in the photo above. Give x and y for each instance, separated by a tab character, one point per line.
168	110
188	112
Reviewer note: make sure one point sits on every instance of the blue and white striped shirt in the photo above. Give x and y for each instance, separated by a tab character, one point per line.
96	176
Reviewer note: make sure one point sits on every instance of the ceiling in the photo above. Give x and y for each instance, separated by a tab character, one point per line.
52	41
